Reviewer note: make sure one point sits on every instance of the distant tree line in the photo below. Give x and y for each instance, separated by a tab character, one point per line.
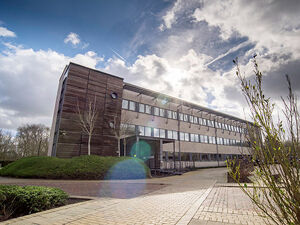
30	140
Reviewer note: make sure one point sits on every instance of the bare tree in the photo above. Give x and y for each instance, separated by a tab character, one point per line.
87	119
7	146
122	131
32	140
276	187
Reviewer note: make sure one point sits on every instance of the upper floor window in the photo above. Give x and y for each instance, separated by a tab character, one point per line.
148	131
175	135
169	114
162	112
156	111
192	137
132	106
204	122
175	115
156	132
162	133
191	119
141	130
181	136
180	116
148	109
195	119
125	104
170	134
185	117
196	138
186	137
141	108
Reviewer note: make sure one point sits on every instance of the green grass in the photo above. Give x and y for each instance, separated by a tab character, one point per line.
82	167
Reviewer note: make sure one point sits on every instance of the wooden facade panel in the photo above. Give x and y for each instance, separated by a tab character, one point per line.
83	86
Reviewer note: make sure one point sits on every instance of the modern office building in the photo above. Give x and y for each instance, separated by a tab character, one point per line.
164	131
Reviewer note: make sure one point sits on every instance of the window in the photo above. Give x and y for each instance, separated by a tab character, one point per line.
204	122
162	133
204	157
170	134
191	119
186	137
181	136
148	109
196	138
210	139
180	116
192	137
200	121
195	119
175	115
226	126
141	130
132	106
156	111
185	117
208	123
156	132
124	104
205	139
169	114
175	135
141	108
162	112
223	126
201	138
148	131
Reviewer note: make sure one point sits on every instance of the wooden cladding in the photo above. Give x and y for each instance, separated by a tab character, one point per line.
83	85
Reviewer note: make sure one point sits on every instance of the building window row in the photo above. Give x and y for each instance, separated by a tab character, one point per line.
156	111
184	136
196	157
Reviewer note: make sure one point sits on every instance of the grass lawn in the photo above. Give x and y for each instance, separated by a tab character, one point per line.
82	167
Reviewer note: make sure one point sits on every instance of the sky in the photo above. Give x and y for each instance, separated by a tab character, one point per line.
183	48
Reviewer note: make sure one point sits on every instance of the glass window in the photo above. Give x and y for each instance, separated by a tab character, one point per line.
148	109
196	138
175	115
208	122
175	135
148	131
195	119
185	117
162	112
124	104
181	136
204	122
201	138
212	123
141	130
162	133
210	139
192	137
226	126
132	106
191	119
169	114
170	134
156	111
205	139
180	116
156	132
200	121
186	137
141	108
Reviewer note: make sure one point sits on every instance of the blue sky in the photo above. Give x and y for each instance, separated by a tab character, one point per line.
183	48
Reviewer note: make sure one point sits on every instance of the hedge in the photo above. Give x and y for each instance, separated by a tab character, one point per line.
82	167
18	201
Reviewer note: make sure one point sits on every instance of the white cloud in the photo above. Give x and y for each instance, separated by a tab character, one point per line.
72	38
4	32
28	83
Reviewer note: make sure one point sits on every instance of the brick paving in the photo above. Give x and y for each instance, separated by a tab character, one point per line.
192	198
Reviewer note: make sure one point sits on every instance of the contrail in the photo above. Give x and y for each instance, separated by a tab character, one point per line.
118	55
229	51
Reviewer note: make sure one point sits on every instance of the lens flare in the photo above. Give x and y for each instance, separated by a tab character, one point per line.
141	150
125	170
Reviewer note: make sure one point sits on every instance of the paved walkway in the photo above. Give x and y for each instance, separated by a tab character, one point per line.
192	198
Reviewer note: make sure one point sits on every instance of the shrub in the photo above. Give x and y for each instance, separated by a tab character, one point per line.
242	168
82	167
17	201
